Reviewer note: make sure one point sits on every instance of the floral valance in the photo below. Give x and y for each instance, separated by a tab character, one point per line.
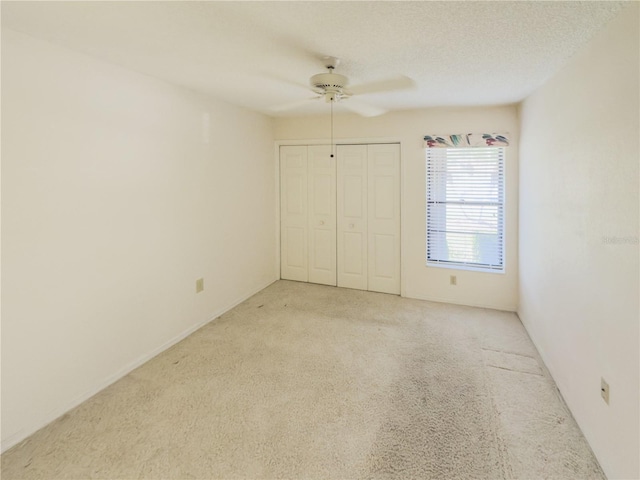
467	140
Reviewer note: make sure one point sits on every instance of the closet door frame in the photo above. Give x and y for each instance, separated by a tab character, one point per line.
344	141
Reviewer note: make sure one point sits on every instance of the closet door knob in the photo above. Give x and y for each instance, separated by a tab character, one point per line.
351	225
321	222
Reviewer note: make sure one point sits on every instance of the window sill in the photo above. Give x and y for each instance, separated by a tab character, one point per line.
469	268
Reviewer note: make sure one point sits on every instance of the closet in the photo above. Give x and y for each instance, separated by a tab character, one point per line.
340	216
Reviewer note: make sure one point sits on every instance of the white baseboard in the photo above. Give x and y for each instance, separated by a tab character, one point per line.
505	308
39	423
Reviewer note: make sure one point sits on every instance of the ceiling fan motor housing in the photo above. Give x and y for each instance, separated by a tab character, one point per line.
328	83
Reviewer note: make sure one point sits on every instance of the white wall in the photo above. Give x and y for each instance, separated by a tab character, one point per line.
579	237
113	204
409	127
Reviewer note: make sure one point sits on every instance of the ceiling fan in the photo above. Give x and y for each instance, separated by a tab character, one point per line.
334	88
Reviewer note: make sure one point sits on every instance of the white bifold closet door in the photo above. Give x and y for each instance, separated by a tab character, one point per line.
294	263
369	217
321	180
340	221
352	216
308	214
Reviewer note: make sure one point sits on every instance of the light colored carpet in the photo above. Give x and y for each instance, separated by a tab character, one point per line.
307	381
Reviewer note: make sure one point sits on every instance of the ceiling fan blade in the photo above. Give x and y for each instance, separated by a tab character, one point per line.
396	83
293	105
361	108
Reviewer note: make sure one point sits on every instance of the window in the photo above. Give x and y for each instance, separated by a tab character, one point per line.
465	208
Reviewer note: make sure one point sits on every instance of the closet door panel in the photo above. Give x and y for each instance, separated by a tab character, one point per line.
295	254
293	213
384	218
353	263
322	215
352	216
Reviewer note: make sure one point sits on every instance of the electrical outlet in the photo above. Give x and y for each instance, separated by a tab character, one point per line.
604	390
453	280
199	285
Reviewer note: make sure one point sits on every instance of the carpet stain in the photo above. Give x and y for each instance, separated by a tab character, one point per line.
438	421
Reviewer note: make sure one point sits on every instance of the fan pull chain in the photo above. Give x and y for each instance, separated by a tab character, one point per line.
332	100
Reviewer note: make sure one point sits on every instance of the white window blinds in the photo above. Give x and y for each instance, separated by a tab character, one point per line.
465	207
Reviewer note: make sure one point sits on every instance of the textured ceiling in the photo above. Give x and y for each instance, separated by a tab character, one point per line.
261	54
